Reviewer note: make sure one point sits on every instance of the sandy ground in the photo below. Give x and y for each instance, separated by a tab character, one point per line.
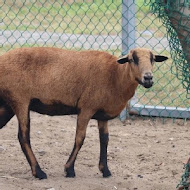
143	155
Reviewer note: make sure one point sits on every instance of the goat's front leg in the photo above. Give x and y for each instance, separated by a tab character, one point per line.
82	122
22	114
104	138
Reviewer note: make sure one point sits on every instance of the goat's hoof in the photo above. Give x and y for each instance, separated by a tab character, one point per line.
106	173
70	173
40	174
1	126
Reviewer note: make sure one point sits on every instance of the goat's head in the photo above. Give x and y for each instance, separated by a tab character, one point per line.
141	62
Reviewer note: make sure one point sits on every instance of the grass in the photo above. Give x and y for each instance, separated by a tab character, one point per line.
95	17
78	18
99	17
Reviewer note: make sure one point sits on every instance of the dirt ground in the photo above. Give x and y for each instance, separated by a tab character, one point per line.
143	154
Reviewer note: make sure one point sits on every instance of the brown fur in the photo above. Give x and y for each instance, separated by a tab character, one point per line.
92	82
45	74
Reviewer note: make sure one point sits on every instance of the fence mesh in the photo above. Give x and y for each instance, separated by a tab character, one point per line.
175	15
96	24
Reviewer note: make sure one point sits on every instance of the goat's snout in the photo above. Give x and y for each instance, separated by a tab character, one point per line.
148	76
148	80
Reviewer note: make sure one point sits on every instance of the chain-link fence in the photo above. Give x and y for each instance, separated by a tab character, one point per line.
175	15
113	26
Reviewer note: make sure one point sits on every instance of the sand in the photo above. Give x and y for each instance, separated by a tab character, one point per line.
143	154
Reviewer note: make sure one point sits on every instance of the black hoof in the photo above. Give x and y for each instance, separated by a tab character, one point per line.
106	173
70	173
40	174
2	125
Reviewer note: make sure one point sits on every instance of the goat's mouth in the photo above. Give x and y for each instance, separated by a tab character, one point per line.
145	83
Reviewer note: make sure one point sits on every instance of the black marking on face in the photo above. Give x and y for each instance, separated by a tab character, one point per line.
131	61
151	58
135	58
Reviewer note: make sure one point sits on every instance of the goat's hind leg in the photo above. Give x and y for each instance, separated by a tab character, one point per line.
22	113
104	138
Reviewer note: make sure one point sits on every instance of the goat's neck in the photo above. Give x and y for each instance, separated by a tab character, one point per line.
128	83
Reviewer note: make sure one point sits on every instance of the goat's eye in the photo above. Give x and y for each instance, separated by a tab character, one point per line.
131	60
152	61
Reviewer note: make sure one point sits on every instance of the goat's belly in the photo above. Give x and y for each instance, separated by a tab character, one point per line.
102	116
54	109
61	109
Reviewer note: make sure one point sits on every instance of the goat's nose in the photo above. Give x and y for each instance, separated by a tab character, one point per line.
148	80
148	76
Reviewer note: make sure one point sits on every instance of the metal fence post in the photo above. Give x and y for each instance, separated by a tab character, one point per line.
128	36
128	25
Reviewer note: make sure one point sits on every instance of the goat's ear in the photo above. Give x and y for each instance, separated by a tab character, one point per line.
160	58
123	60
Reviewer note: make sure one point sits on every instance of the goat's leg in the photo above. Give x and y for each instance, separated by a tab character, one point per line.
82	122
22	114
6	113
104	138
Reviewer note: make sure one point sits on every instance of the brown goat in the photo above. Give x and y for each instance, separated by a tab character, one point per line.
53	81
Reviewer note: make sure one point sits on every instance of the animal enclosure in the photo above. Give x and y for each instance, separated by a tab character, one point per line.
148	155
113	26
